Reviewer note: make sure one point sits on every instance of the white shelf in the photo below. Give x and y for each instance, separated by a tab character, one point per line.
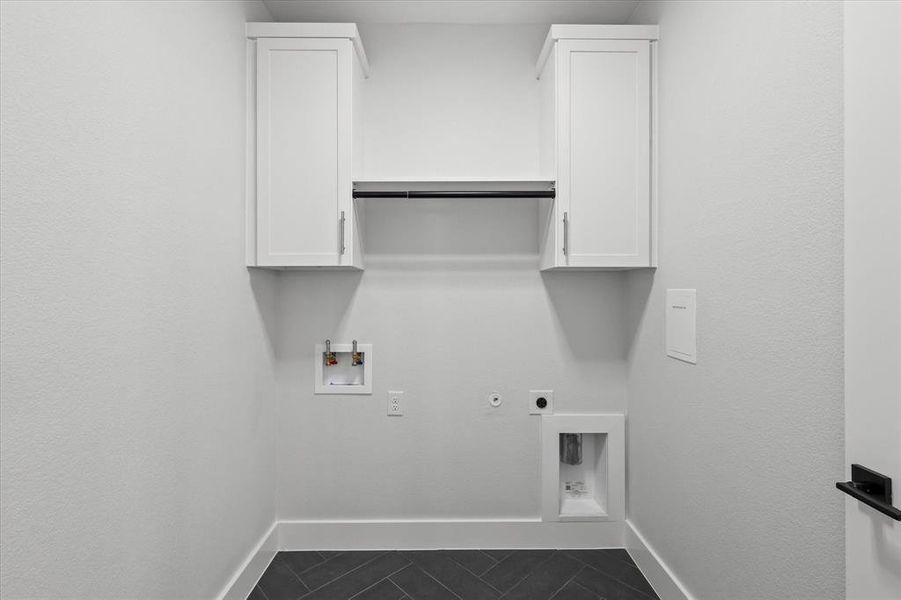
365	181
455	184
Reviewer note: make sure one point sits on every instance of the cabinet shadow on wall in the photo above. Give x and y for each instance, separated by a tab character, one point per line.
263	285
590	309
458	228
445	252
313	306
638	287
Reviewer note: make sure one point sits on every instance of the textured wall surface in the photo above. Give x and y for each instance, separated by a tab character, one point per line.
137	370
872	61
451	101
732	461
451	299
455	307
137	355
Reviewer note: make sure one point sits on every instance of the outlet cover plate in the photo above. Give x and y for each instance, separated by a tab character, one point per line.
395	404
534	395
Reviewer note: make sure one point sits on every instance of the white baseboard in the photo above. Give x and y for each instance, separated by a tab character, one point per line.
253	567
447	534
420	535
658	574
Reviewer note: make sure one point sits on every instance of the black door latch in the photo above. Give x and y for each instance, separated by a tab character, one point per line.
872	488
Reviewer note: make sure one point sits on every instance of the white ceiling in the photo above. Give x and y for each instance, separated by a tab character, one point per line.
453	11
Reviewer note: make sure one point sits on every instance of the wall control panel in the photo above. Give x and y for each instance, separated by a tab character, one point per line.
681	317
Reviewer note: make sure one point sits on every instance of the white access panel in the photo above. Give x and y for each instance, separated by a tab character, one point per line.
604	152
681	317
303	145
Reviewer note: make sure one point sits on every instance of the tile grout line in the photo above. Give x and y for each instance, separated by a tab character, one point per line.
293	572
346	573
290	570
479	577
571	554
617	579
470	570
504	557
588	590
319	564
630	562
378	556
257	586
439	583
568	581
495	565
454	561
489	557
622	583
529	574
385	578
369	587
429	575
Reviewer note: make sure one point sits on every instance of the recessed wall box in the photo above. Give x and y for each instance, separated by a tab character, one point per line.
340	371
583	467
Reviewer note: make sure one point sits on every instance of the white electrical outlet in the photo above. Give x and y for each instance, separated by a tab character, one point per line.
395	404
495	399
541	402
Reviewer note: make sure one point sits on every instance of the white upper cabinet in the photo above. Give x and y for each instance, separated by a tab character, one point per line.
597	134
300	210
596	140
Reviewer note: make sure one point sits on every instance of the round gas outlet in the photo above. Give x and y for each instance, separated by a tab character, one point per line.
494	399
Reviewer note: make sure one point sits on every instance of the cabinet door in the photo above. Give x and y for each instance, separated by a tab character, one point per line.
604	110
303	152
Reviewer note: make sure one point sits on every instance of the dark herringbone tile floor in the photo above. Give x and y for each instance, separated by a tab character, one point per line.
454	575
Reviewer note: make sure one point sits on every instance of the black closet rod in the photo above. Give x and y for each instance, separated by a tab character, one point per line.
456	194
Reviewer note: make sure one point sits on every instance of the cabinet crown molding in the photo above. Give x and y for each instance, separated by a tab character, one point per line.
592	32
347	31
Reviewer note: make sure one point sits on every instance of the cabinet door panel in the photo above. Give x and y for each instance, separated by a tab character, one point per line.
299	96
605	152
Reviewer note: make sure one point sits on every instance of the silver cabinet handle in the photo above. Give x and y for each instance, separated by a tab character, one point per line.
341	233
565	234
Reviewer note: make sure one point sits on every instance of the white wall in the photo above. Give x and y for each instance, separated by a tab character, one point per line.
137	369
451	299
872	287
732	462
455	307
451	101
